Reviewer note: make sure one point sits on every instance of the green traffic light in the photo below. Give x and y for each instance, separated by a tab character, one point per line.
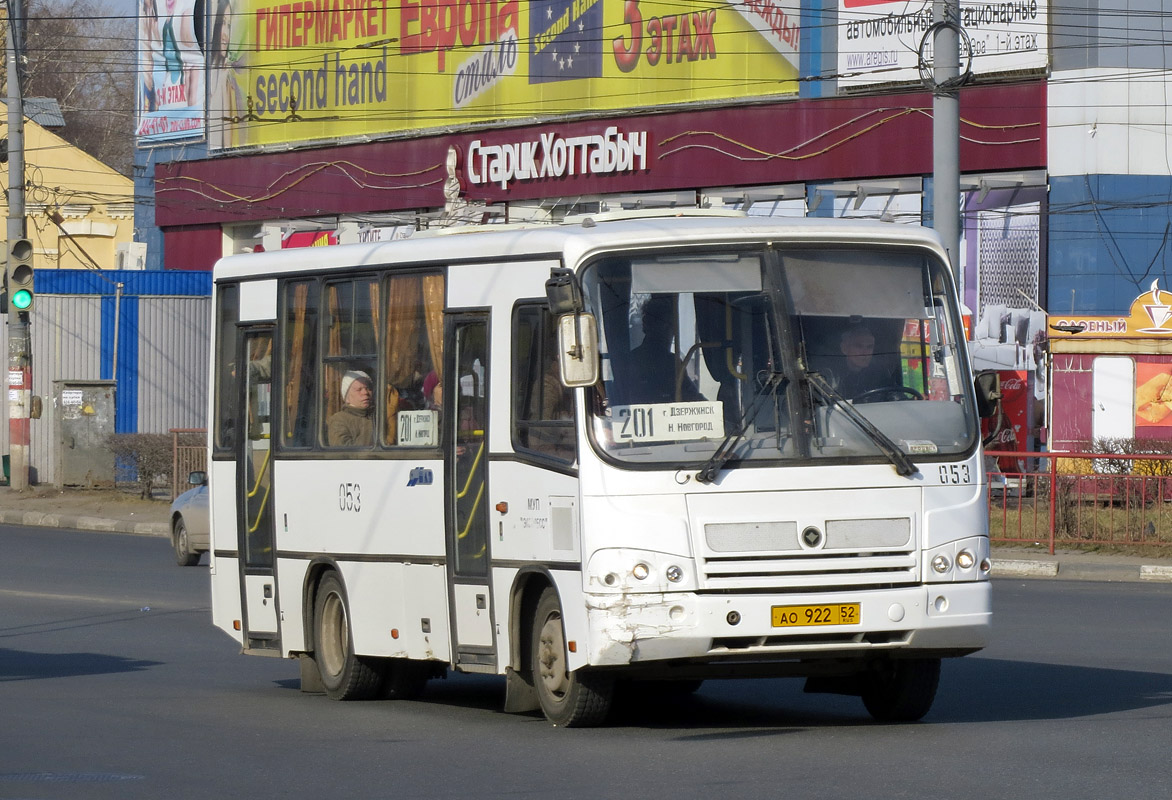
21	299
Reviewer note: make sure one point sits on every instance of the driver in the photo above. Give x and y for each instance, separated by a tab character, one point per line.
860	372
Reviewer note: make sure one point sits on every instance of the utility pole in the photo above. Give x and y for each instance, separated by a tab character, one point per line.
19	362
946	82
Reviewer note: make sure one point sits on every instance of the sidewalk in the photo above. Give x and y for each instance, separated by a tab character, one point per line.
86	509
124	512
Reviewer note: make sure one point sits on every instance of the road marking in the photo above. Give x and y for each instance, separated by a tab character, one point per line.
75	598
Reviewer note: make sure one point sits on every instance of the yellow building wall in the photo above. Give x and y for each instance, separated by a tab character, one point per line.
96	203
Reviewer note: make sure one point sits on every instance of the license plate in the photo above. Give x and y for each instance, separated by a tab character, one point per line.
828	614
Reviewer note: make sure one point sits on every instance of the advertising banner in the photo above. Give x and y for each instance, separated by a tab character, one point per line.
336	69
879	40
1150	316
170	87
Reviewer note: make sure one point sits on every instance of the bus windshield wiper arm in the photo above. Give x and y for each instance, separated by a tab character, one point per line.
711	468
903	465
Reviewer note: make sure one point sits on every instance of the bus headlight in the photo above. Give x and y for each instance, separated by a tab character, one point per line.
962	560
621	569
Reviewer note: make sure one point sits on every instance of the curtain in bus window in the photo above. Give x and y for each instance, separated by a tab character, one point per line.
390	396
404	370
433	310
402	328
295	385
334	371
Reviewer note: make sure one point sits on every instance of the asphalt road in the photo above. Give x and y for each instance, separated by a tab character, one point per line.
114	684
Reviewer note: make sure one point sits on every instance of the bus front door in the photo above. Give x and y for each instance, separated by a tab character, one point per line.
254	498
466	492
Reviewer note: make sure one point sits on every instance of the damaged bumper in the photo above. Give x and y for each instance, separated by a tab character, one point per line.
629	629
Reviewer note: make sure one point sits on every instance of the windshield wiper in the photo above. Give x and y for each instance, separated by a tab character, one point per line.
711	468
899	459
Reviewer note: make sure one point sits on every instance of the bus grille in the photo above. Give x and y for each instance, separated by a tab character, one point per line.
804	572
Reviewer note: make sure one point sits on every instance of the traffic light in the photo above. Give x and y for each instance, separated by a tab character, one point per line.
20	275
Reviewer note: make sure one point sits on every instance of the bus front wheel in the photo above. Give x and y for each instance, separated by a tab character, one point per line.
344	675
901	690
568	699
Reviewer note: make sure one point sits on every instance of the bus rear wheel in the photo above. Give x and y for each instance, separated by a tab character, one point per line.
344	675
578	699
901	690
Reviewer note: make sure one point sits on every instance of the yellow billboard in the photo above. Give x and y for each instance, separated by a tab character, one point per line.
311	70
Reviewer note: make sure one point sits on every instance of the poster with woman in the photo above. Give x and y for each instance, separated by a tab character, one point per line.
170	89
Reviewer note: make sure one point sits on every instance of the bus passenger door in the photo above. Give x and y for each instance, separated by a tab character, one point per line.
254	501
466	492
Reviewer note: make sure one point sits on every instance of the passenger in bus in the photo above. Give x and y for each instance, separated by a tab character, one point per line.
353	425
858	371
433	391
657	373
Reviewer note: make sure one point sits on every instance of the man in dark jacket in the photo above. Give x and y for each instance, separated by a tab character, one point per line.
858	372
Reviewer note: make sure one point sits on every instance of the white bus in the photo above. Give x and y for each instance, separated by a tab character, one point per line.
634	450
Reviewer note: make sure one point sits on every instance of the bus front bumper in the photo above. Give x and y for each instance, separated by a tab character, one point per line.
937	619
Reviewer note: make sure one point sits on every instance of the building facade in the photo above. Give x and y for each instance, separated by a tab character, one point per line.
328	122
79	212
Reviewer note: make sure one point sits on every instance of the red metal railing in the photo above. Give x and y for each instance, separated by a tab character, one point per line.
1080	498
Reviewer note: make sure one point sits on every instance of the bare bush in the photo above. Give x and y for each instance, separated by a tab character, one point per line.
147	454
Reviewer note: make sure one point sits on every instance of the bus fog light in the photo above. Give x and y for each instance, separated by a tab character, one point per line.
986	566
941	604
674	574
941	564
965	559
733	618
611	579
641	571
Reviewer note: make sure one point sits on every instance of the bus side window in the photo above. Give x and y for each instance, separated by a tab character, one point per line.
412	343
543	408
227	385
350	363
300	362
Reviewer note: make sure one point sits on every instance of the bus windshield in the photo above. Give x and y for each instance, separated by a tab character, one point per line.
758	355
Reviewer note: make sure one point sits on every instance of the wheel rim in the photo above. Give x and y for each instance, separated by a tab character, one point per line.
180	538
551	657
335	634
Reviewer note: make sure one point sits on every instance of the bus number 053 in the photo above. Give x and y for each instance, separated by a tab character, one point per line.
349	497
954	473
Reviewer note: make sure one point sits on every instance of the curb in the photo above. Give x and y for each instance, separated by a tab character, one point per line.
1011	568
1155	573
84	523
1017	569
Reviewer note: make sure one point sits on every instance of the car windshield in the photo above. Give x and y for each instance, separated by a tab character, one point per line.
707	357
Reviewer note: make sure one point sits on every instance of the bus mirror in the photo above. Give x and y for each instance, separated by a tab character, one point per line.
563	292
578	349
988	385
